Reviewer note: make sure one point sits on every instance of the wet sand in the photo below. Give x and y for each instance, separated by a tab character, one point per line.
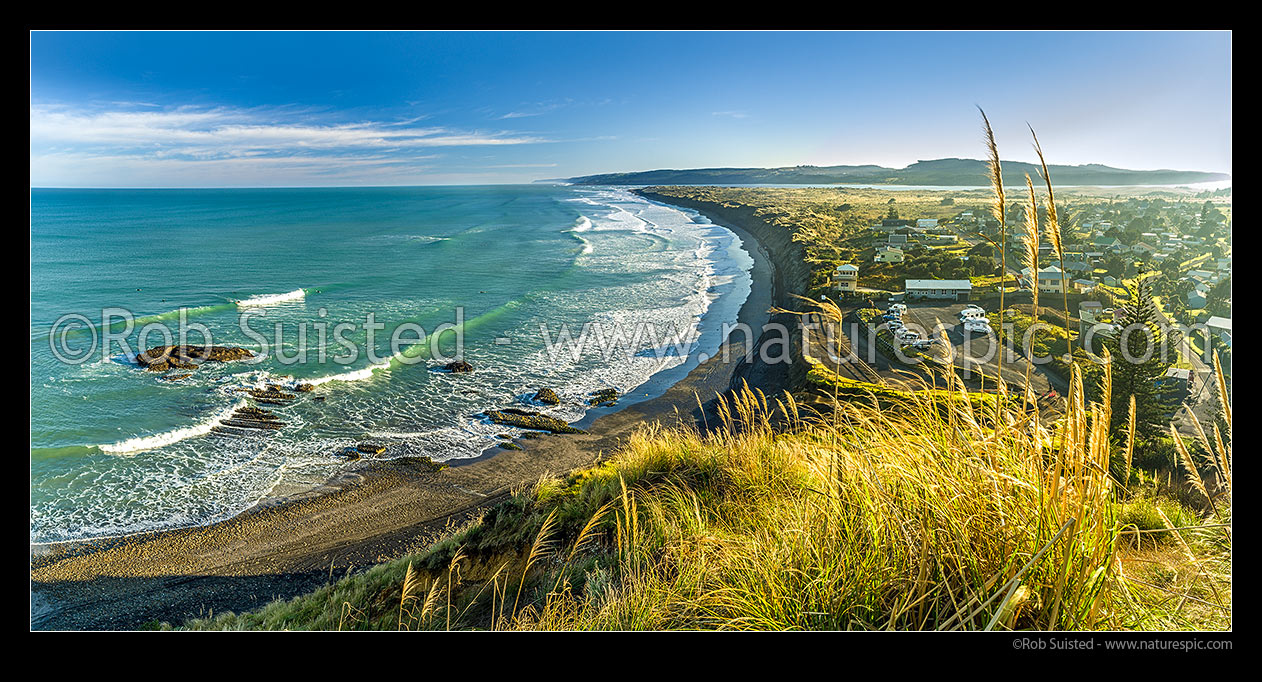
377	512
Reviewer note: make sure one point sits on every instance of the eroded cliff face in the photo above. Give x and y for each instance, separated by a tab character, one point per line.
790	277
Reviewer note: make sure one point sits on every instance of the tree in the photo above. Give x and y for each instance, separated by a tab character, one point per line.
1115	265
1138	364
1219	300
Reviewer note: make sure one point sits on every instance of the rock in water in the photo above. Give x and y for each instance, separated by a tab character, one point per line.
547	396
370	448
604	397
458	366
530	420
511	446
304	388
348	453
162	358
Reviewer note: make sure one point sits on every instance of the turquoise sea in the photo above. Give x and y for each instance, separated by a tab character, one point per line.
118	450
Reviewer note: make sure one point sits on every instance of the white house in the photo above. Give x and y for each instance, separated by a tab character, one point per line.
926	223
846	277
938	288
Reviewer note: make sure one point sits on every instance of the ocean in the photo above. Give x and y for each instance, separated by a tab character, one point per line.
379	286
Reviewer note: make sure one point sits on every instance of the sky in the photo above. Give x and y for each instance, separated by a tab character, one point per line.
232	109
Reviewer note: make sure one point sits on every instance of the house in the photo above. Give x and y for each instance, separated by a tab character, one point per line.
941	239
898	239
1143	249
846	277
1049	279
1109	281
888	254
958	289
1084	286
1220	326
1106	243
1224	264
1091	319
1204	275
926	223
1196	297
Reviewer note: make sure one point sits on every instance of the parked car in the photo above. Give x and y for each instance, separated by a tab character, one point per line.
977	325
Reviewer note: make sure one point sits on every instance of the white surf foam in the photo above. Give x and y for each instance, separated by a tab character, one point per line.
142	443
272	299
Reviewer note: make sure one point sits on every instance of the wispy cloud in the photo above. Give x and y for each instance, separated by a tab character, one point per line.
538	109
730	114
213	142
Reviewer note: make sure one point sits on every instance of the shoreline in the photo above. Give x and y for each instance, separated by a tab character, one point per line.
373	513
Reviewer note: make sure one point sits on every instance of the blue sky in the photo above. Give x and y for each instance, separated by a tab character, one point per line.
283	109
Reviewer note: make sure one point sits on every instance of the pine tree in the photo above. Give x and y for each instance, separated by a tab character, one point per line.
1138	364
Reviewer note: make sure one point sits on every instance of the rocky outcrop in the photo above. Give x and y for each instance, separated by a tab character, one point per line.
458	366
525	419
249	420
304	388
371	448
511	446
162	358
176	377
419	462
604	397
272	395
547	396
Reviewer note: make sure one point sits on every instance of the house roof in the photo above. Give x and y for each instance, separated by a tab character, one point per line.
848	267
937	284
1219	322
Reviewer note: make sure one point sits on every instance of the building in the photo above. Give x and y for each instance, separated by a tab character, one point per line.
1196	297
1220	326
1084	286
1091	315
958	289
888	254
846	277
898	239
926	223
1049	279
941	239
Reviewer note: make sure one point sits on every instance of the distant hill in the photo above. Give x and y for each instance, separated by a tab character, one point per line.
950	172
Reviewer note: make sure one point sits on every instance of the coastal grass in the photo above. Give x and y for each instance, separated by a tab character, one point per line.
850	517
